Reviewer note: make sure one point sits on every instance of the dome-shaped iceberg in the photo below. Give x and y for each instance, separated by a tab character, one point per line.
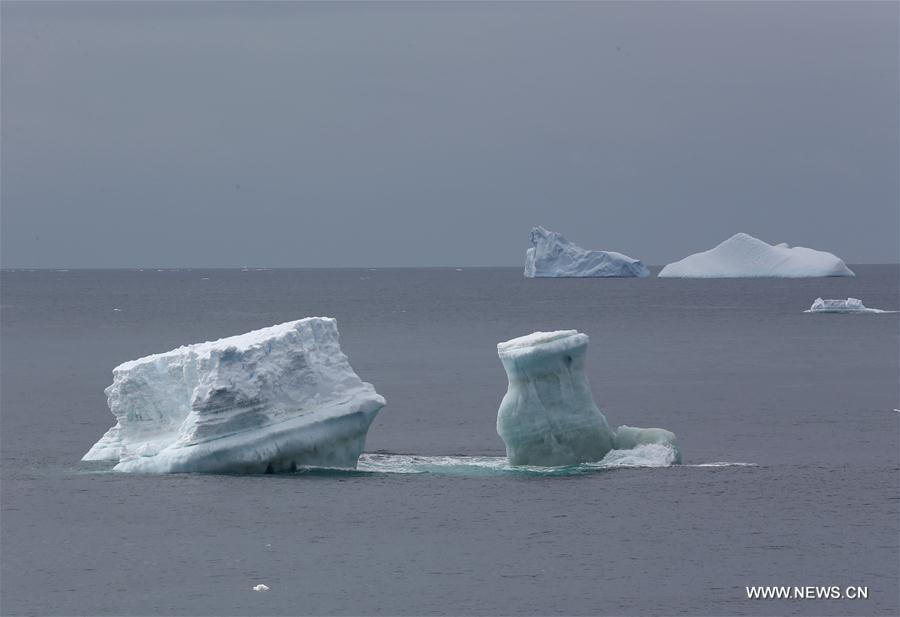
552	255
743	256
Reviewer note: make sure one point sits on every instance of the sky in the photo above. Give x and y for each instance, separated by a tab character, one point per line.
222	134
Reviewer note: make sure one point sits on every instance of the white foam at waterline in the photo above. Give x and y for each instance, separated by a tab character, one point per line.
643	455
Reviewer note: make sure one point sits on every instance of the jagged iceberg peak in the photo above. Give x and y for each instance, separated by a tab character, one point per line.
743	256
552	255
548	416
850	305
269	400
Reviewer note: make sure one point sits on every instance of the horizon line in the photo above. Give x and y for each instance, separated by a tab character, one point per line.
158	268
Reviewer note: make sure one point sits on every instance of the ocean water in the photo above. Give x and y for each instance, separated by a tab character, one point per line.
786	420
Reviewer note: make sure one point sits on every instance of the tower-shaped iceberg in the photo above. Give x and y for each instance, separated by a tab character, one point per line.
270	400
552	255
548	416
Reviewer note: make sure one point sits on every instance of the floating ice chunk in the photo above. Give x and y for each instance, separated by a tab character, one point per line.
260	587
270	400
548	416
850	305
743	256
643	455
552	255
651	439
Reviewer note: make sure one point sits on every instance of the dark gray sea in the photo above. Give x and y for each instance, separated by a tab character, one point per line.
734	367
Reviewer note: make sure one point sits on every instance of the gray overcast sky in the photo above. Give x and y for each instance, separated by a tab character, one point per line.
301	134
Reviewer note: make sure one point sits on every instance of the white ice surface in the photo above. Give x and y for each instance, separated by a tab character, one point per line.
850	305
548	416
743	256
552	255
269	400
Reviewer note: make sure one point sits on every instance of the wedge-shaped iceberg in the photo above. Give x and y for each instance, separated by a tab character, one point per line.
743	256
548	416
270	400
850	305
552	255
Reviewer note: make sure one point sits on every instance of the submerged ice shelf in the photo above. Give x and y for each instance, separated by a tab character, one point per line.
642	456
552	255
548	416
270	400
743	256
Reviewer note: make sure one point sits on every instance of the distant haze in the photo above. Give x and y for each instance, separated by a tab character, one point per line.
418	134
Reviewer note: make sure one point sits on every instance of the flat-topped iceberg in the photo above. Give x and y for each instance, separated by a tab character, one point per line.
270	400
548	416
551	255
850	305
743	256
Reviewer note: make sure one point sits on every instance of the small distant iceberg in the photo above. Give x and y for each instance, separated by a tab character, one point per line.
270	400
850	305
743	256
552	255
548	417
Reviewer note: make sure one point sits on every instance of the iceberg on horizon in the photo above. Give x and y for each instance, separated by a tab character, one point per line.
552	255
850	305
270	400
743	256
548	417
